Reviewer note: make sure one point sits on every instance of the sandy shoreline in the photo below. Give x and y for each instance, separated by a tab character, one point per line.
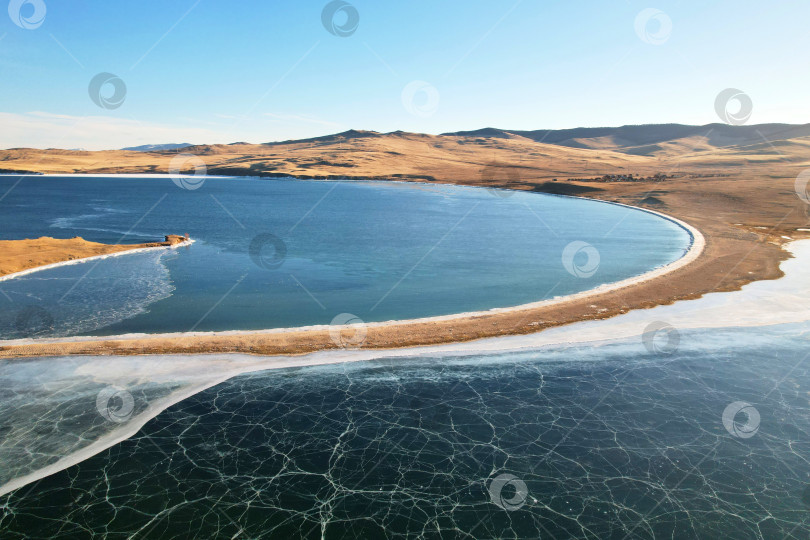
22	257
135	249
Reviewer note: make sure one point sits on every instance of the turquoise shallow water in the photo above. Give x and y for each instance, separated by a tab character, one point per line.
285	253
587	441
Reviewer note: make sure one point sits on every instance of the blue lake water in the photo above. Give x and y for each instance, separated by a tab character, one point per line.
285	253
598	440
594	441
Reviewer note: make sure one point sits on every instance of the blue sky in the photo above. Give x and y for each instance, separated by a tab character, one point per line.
215	71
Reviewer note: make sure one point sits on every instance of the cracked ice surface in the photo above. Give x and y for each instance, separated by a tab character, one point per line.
608	440
50	416
611	441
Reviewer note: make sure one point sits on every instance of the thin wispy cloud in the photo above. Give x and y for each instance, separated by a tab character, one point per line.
47	130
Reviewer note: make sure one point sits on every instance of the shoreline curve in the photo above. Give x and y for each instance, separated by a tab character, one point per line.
45	346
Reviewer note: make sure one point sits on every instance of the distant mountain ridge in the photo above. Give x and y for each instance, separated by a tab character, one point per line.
644	139
529	156
157	147
649	138
344	135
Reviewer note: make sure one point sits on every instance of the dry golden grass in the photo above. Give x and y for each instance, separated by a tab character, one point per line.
19	255
458	159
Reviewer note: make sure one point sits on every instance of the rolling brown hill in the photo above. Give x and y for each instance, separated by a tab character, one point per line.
736	186
633	139
520	158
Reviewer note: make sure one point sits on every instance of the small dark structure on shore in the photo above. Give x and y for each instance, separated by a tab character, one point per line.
172	239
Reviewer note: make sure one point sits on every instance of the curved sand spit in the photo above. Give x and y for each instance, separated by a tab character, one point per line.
129	251
389	334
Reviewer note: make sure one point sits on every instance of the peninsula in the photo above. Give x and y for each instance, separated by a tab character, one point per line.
23	255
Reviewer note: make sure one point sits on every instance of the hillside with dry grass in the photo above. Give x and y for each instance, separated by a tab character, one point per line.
734	184
488	156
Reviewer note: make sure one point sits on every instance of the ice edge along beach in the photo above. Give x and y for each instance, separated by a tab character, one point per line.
760	303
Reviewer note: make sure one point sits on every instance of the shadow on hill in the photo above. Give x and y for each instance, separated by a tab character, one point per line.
560	188
643	139
336	137
651	200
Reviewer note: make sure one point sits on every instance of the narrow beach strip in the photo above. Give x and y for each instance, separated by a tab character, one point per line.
379	335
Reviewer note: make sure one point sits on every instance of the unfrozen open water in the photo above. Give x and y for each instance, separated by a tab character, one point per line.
286	253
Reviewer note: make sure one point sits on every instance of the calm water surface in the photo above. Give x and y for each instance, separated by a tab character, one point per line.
380	251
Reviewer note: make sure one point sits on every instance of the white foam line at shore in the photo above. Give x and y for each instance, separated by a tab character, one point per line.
93	258
696	247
